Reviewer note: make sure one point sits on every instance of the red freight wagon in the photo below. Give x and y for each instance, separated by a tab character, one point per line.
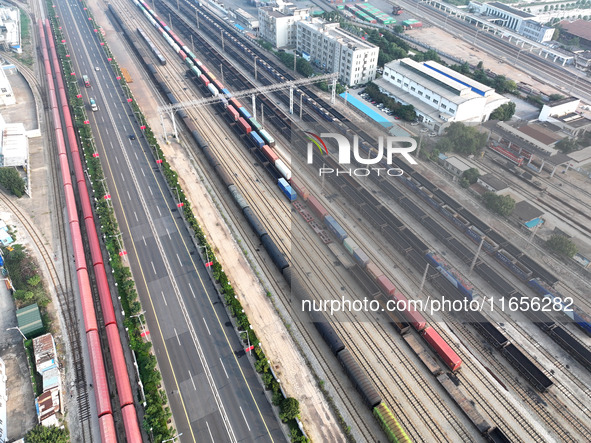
245	126
414	317
302	191
233	113
316	207
442	349
218	85
204	80
271	156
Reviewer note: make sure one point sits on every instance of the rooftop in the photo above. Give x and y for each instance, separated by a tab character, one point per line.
541	134
510	10
526	212
29	320
562	101
580	28
332	30
493	182
574	120
458	163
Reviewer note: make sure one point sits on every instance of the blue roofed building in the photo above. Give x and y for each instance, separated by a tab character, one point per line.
528	214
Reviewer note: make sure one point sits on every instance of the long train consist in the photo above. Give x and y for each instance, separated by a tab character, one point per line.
101	388
432	337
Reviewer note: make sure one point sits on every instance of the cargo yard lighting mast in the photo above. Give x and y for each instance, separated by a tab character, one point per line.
171	109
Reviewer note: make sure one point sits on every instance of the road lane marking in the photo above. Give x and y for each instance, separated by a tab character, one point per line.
128	195
143	173
177	256
207	424
224	368
170	238
177	335
159	213
153	268
206	327
244	417
164	298
117	160
150	188
191	288
144	239
136	219
136	157
122	176
191	378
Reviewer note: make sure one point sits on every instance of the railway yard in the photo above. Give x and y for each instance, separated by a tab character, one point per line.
498	374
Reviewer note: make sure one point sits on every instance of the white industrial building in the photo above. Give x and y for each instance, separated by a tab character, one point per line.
439	95
14	144
277	24
521	22
6	95
10	28
332	49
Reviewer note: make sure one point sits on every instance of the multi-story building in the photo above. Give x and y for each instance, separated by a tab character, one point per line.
439	95
332	49
521	22
277	24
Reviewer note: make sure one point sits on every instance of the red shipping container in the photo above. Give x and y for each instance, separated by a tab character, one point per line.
204	80
99	376
447	354
414	317
233	113
316	207
235	103
243	125
271	156
119	366
218	85
374	271
386	285
302	191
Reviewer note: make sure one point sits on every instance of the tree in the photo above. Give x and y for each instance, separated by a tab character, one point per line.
44	434
567	145
562	245
289	409
501	204
12	181
462	139
503	112
553	97
471	175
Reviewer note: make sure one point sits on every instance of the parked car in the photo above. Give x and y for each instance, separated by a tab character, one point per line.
432	134
414	124
380	105
386	110
396	117
425	130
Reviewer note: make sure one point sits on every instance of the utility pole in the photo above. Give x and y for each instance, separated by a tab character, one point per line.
423	281
476	257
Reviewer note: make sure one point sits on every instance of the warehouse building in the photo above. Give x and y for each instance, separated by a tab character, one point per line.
10	27
14	144
439	95
332	49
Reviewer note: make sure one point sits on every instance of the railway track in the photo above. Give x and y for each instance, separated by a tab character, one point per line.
61	282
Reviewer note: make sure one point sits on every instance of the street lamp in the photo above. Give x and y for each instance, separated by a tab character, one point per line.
173	438
19	330
247	336
139	317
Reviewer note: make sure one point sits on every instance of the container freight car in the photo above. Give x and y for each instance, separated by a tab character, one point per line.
244	126
317	207
256	140
286	189
447	354
233	113
454	277
335	228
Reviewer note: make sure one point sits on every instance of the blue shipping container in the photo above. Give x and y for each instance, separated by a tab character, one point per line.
257	140
287	189
226	92
335	228
244	113
1	260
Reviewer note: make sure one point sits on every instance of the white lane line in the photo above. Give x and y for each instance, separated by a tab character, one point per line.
178	258
150	188
159	213
153	267
191	378
136	157
128	195
169	237
191	288
144	239
111	144
177	336
107	131
164	298
117	160
102	119
111	94
207	424
224	368
136	219
119	116
206	327
143	173
122	177
244	417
